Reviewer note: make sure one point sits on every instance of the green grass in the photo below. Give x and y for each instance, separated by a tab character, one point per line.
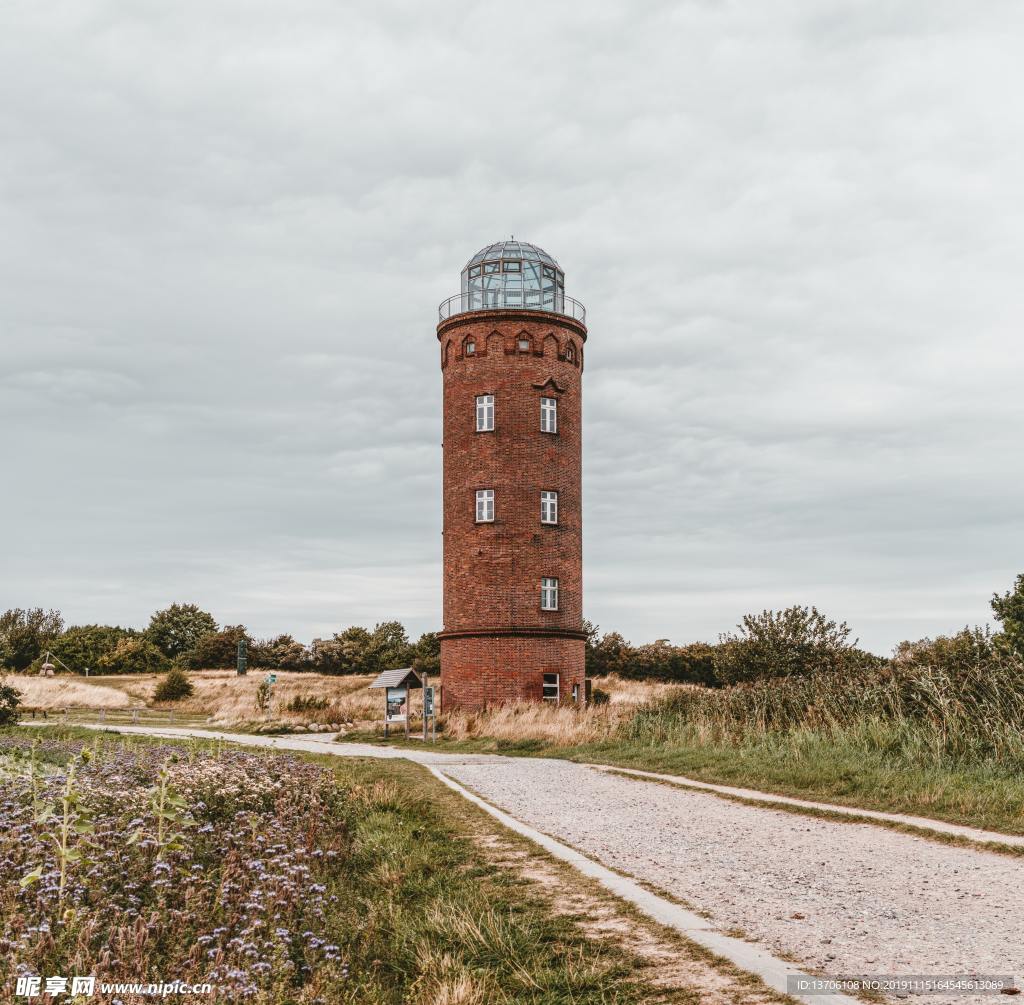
421	914
868	765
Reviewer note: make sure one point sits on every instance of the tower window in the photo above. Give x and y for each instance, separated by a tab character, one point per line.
485	506
570	353
470	348
549	507
549	415
485	413
551	687
548	594
524	345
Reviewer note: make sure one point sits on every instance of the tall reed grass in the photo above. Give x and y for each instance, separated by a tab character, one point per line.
558	725
922	712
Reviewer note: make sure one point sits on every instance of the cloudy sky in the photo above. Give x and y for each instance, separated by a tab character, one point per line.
797	226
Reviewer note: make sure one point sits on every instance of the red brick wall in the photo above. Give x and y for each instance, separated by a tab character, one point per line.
492	571
485	670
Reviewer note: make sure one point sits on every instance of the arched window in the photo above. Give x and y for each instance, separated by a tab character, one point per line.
570	353
469	347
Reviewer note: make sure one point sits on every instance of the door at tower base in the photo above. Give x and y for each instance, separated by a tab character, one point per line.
483	671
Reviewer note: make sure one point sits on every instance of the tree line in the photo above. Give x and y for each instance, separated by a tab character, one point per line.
185	636
793	642
800	641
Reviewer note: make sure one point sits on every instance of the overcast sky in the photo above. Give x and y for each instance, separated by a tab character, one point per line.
797	227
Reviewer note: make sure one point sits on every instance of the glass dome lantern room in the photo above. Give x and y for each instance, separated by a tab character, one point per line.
512	274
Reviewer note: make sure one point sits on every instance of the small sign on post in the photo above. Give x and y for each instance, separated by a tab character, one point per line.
396	685
429	719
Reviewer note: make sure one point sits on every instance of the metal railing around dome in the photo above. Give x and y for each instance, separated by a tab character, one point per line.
504	299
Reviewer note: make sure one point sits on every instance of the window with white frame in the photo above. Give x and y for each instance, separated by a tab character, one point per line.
485	505
485	413
551	687
549	507
549	415
548	594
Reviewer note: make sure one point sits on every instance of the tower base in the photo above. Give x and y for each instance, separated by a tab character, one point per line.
481	669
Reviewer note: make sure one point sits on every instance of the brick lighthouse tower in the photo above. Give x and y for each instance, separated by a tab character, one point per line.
511	362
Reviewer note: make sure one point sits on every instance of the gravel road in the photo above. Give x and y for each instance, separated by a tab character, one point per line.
846	898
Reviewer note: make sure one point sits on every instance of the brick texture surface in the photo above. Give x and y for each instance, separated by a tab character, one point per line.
497	643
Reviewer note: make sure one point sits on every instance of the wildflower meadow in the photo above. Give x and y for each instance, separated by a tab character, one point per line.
272	877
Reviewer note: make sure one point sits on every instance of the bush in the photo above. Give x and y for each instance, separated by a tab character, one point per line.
306	703
133	655
598	696
174	686
24	635
280	653
179	628
217	651
612	654
10	699
953	654
794	642
83	646
1009	611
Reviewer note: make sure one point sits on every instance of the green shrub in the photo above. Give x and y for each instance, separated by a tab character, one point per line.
1009	611
10	699
793	642
25	634
280	653
178	628
307	703
173	686
598	696
216	651
133	655
82	646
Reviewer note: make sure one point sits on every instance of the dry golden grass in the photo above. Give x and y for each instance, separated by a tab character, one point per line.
227	698
558	725
220	695
68	692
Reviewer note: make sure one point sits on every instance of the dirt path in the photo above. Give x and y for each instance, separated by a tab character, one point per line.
841	898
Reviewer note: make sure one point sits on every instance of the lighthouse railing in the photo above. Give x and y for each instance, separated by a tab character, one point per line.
515	299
